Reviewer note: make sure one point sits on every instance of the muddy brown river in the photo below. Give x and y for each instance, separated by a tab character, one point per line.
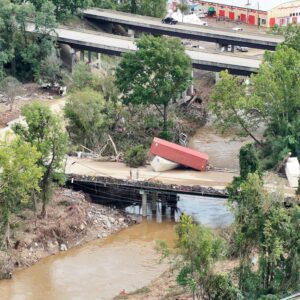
101	269
98	270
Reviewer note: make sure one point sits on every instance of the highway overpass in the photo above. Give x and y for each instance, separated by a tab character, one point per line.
196	32
116	45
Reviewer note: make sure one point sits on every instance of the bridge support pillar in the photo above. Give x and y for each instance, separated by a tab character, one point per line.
144	203
73	59
131	33
98	60
90	57
218	47
217	76
190	90
154	203
82	55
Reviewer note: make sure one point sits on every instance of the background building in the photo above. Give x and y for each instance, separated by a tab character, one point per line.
265	13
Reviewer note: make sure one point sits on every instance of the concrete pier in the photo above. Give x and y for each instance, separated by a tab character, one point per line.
144	203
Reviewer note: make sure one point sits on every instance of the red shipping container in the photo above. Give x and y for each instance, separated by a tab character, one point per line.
231	16
221	13
179	154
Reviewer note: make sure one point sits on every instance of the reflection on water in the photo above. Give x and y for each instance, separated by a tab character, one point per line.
209	211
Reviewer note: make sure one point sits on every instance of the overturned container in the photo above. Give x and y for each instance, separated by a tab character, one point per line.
179	154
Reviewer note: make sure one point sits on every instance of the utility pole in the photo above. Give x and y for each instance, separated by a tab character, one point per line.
258	20
247	11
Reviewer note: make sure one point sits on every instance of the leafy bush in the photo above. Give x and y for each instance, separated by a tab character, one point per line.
89	117
248	161
135	156
221	287
167	135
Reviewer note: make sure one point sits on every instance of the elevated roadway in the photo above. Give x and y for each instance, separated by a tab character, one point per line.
196	32
116	45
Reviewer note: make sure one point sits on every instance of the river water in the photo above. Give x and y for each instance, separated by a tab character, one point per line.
101	269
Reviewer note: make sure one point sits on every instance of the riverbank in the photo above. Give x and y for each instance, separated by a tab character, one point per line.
71	221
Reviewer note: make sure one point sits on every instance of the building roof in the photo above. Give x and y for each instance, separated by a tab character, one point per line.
264	5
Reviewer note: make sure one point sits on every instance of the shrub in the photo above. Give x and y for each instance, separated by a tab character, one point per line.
298	189
248	161
135	156
221	287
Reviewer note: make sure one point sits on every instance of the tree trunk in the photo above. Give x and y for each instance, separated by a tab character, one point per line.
7	235
44	211
34	208
165	116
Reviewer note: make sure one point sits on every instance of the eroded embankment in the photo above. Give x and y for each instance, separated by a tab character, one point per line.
71	220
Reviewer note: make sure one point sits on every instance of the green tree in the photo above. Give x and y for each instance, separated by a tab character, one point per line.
229	103
106	4
21	52
158	72
248	161
135	156
50	70
44	131
66	8
265	227
271	99
82	76
291	34
63	8
183	7
10	87
199	249
89	117
152	8
19	178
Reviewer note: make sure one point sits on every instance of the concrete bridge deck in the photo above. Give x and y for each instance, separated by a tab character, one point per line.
187	177
116	45
197	32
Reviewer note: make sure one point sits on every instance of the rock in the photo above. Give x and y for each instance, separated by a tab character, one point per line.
36	244
63	247
81	227
50	245
112	220
121	220
104	234
108	224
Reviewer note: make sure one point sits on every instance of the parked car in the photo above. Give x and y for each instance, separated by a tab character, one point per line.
169	20
186	43
242	49
198	47
237	29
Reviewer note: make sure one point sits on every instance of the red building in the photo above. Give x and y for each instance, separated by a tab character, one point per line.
265	13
